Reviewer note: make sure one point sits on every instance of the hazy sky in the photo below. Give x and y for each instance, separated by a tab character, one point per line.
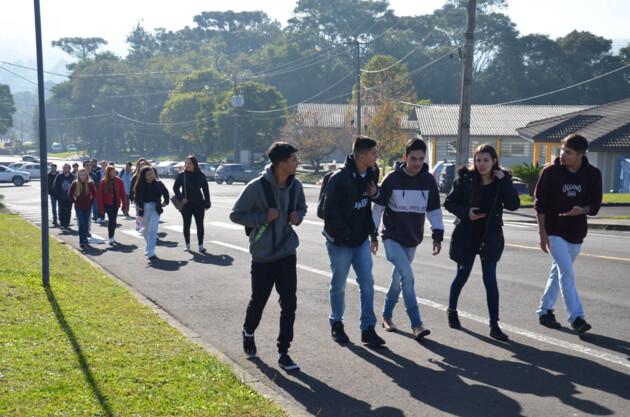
114	19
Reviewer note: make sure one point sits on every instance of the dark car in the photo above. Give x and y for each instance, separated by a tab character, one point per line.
520	187
447	177
234	172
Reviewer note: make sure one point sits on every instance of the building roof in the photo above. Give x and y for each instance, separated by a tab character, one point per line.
485	120
605	127
340	115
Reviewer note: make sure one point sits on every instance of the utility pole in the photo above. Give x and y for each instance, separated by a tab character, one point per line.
463	130
237	101
357	44
43	154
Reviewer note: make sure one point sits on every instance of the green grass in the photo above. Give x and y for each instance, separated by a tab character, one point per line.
312	177
616	217
86	346
63	155
608	198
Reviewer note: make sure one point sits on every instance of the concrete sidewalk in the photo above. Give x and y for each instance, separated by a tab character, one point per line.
528	214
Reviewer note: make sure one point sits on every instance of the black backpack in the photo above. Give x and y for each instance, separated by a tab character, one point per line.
324	189
271	202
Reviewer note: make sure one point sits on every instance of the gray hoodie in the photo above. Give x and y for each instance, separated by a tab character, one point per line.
250	210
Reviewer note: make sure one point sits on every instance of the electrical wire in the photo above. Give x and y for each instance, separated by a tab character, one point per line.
401	59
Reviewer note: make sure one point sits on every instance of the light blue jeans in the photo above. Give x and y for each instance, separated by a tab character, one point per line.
341	257
150	221
562	279
402	275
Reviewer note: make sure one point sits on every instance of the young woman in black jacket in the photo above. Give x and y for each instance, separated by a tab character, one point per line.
477	200
191	187
149	193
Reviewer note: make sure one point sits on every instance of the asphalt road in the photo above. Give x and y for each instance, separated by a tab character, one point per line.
538	372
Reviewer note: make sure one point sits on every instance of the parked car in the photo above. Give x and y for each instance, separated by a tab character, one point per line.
437	169
17	165
447	177
234	172
56	147
71	147
32	169
30	158
16	177
176	169
164	167
208	170
520	187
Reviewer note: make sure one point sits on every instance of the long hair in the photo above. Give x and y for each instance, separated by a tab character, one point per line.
476	191
82	186
195	163
141	182
109	181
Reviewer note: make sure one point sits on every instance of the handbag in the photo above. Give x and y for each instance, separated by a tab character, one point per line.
176	201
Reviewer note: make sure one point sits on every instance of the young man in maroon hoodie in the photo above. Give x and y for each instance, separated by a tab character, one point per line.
568	189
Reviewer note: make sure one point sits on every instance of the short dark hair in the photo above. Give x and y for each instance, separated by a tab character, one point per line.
75	164
53	165
362	144
576	142
87	161
128	163
280	152
415	144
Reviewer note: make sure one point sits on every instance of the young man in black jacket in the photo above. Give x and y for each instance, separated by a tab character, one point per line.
53	200
347	224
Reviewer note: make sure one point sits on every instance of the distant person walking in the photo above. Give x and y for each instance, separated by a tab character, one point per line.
61	186
111	195
407	195
567	191
477	199
141	163
191	187
82	193
125	175
100	216
151	198
271	205
53	200
75	168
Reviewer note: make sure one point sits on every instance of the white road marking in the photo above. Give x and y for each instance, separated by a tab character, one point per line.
226	225
313	222
133	233
179	229
520	225
532	335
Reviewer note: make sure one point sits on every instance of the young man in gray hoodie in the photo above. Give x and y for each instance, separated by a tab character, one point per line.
269	207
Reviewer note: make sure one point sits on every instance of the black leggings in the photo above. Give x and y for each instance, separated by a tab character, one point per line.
112	213
187	214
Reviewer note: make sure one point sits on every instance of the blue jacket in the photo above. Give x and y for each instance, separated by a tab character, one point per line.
62	185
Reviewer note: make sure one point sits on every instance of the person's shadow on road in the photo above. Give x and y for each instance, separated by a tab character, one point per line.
211	259
166	264
444	390
319	398
617	345
119	247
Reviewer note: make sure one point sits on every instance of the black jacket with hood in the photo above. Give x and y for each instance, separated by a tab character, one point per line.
347	207
459	201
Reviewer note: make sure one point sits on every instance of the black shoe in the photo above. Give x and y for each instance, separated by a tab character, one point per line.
453	319
89	235
94	218
370	338
580	326
549	320
496	333
54	223
285	362
338	334
249	346
82	245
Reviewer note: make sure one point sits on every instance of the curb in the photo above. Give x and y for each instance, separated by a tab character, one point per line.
292	407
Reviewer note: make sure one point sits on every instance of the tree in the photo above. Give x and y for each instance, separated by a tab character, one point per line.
80	48
314	142
7	108
142	44
529	174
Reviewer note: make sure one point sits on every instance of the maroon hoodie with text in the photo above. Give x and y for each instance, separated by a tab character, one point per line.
558	190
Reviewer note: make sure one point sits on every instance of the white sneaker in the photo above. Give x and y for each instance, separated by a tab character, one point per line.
111	240
187	246
202	249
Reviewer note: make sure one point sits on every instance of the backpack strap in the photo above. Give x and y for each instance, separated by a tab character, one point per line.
271	202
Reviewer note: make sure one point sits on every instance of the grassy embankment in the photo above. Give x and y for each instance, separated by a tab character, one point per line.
86	346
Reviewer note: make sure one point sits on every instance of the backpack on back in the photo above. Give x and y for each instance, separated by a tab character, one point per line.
324	189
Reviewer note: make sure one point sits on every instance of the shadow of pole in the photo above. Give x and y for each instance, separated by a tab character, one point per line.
85	367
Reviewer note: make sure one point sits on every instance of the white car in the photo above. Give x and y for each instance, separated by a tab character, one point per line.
164	168
32	169
71	147
16	177
17	165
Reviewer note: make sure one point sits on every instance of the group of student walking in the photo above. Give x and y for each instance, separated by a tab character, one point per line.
353	208
104	191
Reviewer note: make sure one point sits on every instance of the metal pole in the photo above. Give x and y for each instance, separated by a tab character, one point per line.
43	155
356	43
463	133
237	156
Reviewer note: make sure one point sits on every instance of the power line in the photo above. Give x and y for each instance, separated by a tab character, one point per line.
401	59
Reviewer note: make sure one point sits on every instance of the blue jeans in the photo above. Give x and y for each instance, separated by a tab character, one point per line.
489	273
65	212
53	204
341	257
95	208
402	275
150	221
83	216
562	279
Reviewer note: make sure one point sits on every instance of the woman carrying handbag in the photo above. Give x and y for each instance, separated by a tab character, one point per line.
191	189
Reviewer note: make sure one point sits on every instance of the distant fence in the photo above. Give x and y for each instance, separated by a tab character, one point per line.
624	175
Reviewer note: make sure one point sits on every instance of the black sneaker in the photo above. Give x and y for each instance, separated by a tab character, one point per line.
496	333
285	362
338	333
249	346
549	320
453	319
580	326
370	338
55	223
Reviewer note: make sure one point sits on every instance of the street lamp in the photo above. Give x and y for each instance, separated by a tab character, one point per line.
236	101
